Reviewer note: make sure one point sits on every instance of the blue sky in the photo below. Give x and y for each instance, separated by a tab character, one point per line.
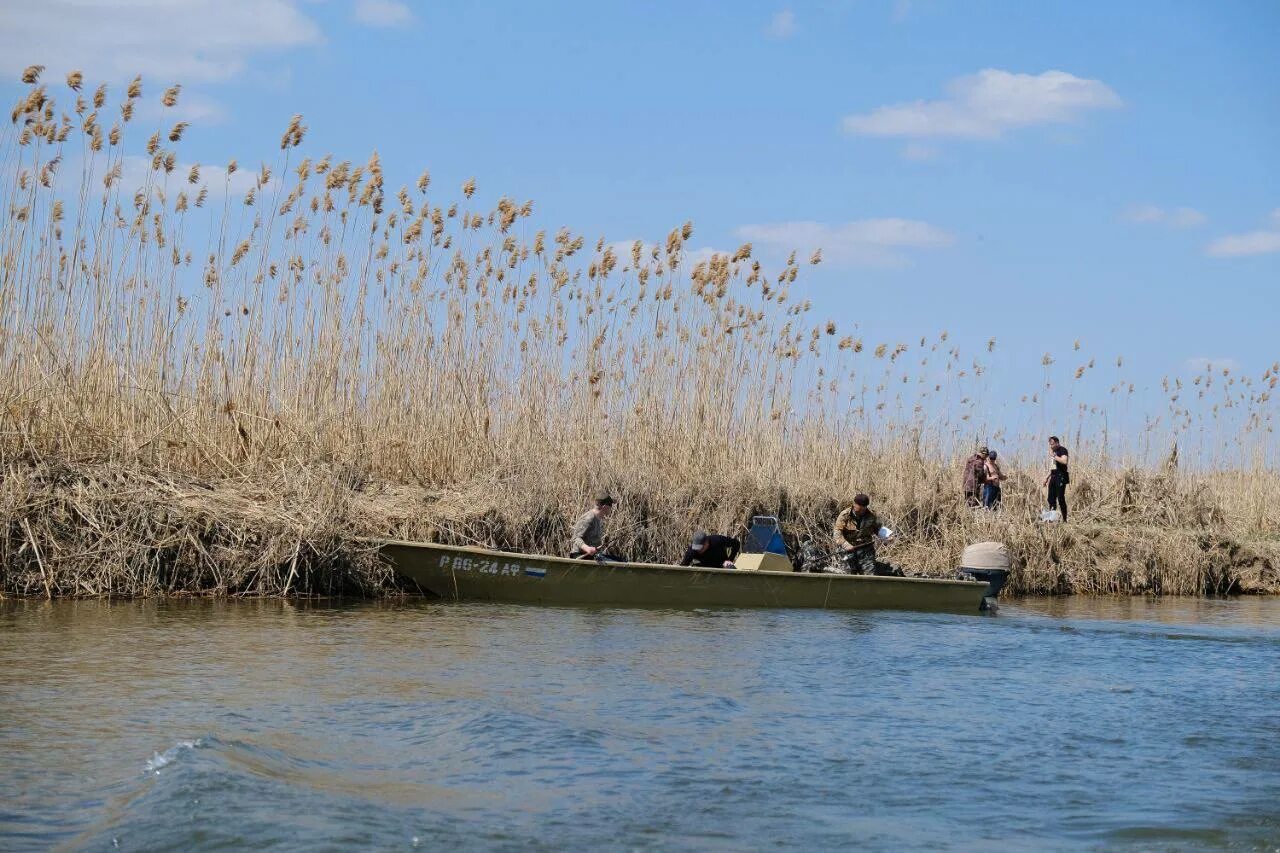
1039	173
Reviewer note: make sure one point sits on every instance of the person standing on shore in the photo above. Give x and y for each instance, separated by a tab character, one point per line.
588	530
855	535
975	475
1058	476
991	486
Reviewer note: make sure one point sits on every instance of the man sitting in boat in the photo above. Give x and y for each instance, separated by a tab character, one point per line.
588	531
855	535
712	551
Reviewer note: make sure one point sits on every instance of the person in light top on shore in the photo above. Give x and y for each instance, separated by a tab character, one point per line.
712	551
991	486
588	530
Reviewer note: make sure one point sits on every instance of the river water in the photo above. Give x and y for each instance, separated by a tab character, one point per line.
1060	724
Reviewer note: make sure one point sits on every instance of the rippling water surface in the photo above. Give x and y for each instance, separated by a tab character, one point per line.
1059	724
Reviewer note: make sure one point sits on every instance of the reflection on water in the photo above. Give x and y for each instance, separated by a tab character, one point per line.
1061	723
1244	613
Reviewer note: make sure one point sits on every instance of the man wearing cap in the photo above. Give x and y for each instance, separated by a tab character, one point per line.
588	530
855	535
975	476
712	551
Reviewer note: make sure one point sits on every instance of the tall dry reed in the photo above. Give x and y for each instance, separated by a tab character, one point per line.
217	377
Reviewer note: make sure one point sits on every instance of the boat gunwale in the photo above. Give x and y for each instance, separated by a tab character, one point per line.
817	576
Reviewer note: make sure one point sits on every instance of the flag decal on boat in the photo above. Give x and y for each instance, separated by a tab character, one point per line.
535	573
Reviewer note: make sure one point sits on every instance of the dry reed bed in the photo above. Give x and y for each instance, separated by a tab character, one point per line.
100	529
218	383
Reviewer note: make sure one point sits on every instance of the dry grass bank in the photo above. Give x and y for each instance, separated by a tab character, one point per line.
213	383
94	529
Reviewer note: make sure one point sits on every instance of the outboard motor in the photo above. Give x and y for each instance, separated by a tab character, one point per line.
990	562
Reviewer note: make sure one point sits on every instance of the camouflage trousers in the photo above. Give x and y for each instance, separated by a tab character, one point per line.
861	561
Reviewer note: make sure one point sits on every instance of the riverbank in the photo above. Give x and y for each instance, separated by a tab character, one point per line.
106	529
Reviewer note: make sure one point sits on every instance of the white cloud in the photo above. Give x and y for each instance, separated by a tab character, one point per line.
1174	217
622	248
191	107
918	152
986	104
1202	364
863	242
382	13
136	169
783	25
1264	241
1240	245
180	40
689	259
136	174
693	257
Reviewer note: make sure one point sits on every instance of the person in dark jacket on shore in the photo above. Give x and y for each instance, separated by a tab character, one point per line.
712	551
975	477
1058	477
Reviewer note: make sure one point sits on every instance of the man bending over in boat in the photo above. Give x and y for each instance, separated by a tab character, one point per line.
712	551
855	535
588	532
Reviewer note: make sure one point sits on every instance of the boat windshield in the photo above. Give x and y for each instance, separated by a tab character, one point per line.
765	537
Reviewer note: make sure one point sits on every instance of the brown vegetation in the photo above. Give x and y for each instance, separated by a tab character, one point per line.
213	383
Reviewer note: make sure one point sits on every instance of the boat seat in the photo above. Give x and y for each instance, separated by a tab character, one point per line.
764	550
766	562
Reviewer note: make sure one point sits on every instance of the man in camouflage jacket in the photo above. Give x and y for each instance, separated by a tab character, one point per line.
855	535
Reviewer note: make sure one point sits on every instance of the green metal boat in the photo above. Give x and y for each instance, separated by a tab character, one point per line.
463	573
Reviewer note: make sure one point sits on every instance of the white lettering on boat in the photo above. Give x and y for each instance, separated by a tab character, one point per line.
479	566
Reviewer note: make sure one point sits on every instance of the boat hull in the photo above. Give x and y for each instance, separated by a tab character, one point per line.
478	574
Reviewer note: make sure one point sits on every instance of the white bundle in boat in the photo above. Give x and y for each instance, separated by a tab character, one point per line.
986	555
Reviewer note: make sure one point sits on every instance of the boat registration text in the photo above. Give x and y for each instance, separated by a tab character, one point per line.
488	567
